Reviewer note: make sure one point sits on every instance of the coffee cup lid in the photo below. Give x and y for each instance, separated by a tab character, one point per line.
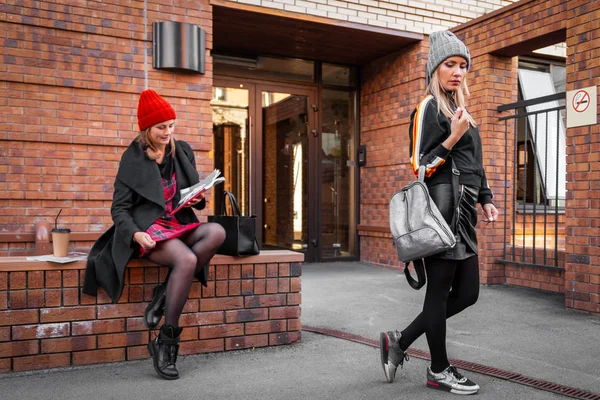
61	230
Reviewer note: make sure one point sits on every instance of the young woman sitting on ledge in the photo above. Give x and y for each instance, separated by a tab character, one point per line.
152	170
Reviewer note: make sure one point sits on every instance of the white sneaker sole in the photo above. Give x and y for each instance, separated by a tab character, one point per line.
437	386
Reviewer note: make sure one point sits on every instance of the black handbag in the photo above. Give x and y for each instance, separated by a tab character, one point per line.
240	231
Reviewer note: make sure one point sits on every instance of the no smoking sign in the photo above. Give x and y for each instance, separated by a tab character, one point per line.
581	107
581	101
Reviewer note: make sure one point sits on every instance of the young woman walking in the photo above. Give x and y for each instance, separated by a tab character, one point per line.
442	131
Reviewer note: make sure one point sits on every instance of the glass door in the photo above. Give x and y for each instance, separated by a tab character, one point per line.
287	143
231	143
285	168
265	142
286	137
337	175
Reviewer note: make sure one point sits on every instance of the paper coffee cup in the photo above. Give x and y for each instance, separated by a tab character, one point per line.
60	241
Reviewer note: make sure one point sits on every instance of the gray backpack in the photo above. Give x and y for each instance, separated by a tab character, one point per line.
418	228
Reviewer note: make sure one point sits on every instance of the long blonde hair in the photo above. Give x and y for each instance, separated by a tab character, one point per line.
152	152
445	99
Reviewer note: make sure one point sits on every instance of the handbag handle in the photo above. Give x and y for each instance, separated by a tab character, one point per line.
235	209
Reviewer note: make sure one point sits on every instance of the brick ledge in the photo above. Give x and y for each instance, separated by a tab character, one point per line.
12	264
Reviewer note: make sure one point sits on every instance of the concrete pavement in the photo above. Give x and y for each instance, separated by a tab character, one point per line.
519	330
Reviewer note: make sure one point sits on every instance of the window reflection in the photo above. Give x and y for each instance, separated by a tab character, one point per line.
231	143
337	177
285	178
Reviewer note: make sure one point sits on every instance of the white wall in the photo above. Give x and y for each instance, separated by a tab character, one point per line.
424	16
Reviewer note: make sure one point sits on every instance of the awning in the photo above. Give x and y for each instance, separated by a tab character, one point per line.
245	30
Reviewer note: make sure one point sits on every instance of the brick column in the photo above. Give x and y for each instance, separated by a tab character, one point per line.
582	277
493	82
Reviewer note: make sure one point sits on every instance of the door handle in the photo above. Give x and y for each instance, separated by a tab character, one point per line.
314	242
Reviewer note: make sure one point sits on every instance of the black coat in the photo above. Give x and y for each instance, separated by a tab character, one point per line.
138	201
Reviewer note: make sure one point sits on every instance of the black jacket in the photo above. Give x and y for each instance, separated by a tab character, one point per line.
138	201
428	129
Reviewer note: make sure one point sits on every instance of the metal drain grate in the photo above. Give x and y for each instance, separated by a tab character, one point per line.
556	388
469	366
485	370
342	335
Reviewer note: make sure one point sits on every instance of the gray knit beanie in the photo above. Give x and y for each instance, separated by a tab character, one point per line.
442	45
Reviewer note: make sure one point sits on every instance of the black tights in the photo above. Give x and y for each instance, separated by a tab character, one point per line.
442	303
185	256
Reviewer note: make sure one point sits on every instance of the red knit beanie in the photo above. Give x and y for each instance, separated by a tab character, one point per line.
153	109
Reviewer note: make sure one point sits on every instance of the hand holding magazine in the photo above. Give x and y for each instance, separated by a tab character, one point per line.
190	193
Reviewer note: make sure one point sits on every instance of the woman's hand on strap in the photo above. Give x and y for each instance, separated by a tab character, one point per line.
144	240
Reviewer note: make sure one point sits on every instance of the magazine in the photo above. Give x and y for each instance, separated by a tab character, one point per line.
190	193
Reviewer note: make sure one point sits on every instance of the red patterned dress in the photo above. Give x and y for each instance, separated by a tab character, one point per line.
167	226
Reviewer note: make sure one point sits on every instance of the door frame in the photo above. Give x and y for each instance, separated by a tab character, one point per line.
255	125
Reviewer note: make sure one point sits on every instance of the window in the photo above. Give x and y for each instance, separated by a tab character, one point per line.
541	141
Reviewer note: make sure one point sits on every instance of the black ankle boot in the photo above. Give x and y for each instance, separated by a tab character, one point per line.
164	349
156	308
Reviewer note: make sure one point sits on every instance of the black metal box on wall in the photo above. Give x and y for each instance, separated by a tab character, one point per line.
178	46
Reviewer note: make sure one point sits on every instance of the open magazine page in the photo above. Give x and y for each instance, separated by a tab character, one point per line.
199	188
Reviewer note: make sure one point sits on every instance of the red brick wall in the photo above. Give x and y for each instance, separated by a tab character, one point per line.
524	22
582	289
70	79
391	87
46	322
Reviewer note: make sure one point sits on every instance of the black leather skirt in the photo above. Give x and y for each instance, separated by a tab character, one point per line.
442	196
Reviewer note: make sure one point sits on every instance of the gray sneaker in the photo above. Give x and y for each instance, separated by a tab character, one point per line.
450	380
391	354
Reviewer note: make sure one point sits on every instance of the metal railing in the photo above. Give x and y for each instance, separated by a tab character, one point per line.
536	209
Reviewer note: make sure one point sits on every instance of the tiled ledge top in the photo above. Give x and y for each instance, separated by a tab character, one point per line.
10	264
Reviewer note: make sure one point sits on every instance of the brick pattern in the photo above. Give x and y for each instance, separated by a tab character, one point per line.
422	16
533	19
391	88
71	78
582	286
46	322
536	278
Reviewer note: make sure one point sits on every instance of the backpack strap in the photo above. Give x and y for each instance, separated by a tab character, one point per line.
420	270
456	192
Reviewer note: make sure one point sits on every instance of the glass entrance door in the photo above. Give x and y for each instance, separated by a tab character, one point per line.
265	142
231	143
285	170
286	120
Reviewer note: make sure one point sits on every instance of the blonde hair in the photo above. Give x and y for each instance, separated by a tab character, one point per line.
151	151
445	99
